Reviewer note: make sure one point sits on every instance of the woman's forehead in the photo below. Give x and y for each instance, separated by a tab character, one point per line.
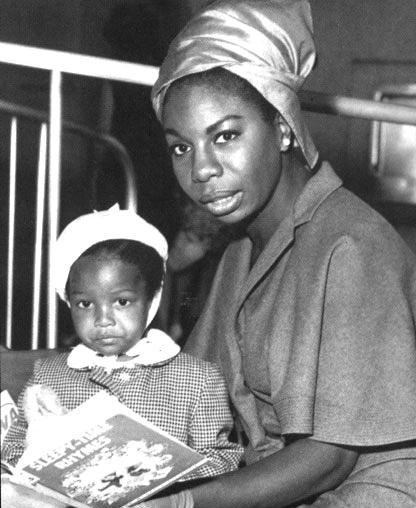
222	87
203	104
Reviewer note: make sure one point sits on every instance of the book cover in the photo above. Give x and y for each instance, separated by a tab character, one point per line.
105	456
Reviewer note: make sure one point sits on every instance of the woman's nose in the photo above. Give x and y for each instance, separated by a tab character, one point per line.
205	166
104	317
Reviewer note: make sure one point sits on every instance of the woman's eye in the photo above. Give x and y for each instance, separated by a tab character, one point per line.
84	304
179	149
224	137
123	302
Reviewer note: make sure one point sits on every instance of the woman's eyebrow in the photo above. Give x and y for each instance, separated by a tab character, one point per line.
215	125
210	128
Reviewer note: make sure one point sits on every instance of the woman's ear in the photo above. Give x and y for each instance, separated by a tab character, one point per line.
285	134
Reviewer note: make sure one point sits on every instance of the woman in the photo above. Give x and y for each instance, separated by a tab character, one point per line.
312	313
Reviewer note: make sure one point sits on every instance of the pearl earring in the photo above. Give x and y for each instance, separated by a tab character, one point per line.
285	143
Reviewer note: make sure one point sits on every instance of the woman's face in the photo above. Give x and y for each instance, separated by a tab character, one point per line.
109	304
225	155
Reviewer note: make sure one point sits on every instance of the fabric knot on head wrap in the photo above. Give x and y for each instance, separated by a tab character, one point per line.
266	42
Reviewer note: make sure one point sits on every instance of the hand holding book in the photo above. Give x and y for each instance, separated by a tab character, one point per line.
182	499
19	496
42	411
42	408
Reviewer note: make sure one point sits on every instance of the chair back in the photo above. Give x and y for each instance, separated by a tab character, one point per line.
17	367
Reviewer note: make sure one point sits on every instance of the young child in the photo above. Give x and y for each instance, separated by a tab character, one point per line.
109	269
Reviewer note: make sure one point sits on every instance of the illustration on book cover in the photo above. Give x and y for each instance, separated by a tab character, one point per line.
112	462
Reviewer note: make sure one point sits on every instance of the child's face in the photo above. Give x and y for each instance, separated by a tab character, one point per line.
109	304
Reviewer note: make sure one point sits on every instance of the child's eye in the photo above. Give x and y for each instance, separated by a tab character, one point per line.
123	302
84	304
179	149
224	137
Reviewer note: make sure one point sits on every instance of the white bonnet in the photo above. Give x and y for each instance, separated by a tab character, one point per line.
87	230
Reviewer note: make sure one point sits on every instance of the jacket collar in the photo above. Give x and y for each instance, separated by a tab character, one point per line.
154	349
317	189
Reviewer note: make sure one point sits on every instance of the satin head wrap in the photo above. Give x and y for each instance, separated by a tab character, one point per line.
92	228
267	42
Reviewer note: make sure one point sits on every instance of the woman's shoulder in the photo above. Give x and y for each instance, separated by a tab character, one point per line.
346	235
343	210
343	217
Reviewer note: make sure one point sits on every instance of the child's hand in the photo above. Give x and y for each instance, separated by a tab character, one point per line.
42	411
40	401
182	499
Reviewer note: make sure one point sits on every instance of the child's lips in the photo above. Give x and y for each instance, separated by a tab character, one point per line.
107	339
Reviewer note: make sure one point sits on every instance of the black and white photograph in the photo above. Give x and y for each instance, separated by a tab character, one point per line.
209	220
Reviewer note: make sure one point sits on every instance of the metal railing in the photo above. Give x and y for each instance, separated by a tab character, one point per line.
17	115
58	62
353	107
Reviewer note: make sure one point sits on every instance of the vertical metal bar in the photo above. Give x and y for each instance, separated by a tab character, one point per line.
54	198
11	232
374	146
40	217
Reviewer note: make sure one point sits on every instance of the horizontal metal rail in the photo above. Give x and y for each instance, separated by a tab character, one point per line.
73	63
318	102
106	68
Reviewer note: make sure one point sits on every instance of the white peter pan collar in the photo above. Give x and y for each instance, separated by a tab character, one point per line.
154	348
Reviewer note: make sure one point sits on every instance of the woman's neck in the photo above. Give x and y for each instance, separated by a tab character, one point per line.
293	179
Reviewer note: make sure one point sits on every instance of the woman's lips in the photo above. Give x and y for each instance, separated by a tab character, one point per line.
222	203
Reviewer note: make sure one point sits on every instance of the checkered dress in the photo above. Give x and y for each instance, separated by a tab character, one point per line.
186	397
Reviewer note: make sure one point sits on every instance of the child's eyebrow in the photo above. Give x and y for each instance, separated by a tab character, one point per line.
124	290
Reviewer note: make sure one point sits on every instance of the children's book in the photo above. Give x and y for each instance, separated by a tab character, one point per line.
105	456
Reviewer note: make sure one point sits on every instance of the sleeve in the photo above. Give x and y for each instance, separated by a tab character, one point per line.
14	442
211	426
366	376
